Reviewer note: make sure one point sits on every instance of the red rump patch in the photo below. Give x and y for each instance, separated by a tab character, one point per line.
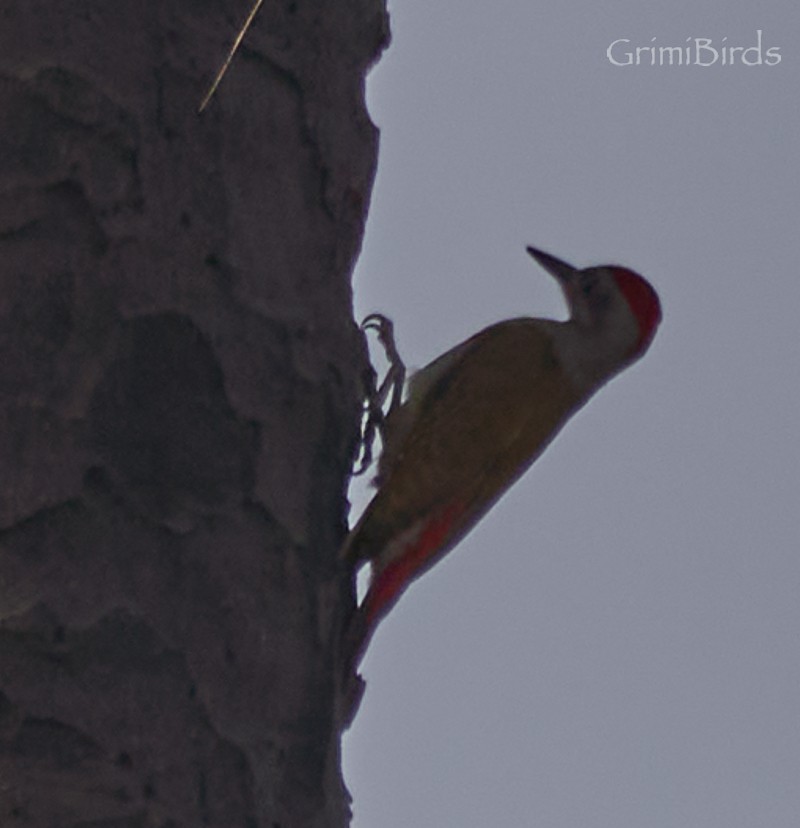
643	301
394	579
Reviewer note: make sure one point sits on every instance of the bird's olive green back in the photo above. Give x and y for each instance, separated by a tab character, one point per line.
482	414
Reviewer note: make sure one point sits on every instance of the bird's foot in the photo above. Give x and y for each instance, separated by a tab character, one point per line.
390	388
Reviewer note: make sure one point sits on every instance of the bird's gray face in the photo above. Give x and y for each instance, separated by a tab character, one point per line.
600	308
595	302
589	293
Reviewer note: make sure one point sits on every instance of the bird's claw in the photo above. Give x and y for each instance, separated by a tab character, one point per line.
376	395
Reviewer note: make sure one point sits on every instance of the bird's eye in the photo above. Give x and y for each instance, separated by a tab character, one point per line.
591	289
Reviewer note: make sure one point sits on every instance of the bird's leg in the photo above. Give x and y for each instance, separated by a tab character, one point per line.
371	421
391	388
396	375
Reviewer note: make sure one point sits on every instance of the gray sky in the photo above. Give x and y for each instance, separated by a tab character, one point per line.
616	645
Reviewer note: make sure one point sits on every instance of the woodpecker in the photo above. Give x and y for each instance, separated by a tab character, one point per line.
475	419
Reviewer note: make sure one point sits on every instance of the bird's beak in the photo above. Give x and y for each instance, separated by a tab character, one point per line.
555	267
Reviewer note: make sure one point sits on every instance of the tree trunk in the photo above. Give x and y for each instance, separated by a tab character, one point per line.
180	382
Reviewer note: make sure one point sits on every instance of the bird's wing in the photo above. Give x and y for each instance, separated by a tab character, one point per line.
480	414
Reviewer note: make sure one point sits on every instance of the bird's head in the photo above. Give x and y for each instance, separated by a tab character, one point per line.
610	301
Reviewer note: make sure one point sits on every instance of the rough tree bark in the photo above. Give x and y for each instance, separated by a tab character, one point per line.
179	398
